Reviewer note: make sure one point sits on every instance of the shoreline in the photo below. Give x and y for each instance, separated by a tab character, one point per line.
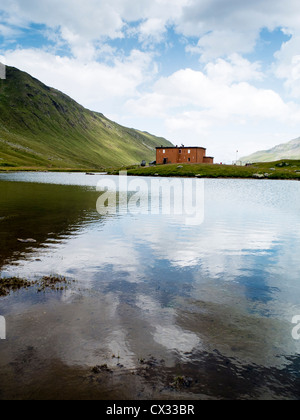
281	170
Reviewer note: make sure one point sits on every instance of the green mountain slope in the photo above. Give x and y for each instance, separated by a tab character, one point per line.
290	150
42	127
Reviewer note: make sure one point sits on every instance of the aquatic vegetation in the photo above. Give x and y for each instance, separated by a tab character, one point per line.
53	283
13	284
181	382
100	369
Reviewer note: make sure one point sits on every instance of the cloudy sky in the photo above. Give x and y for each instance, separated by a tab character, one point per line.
224	74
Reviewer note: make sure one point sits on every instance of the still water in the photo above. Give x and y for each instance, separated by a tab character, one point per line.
169	310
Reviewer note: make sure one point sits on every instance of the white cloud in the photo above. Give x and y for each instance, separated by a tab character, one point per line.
96	85
8	32
210	106
152	31
93	19
222	43
79	24
233	26
212	96
234	69
223	27
287	65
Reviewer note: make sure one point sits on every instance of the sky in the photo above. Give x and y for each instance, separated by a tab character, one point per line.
221	74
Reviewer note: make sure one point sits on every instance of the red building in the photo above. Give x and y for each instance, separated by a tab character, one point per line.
165	155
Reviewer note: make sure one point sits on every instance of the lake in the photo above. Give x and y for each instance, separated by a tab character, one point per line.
156	307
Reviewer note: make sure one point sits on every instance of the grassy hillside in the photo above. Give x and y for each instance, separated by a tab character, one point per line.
290	150
41	127
288	169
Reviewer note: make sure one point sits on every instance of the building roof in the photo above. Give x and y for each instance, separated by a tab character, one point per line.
178	147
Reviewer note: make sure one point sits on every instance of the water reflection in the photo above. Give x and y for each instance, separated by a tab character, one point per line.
150	284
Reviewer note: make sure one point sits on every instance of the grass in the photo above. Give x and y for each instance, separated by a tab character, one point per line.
287	169
284	170
46	169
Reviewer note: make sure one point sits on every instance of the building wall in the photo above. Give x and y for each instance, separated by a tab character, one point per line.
170	154
181	155
208	160
200	155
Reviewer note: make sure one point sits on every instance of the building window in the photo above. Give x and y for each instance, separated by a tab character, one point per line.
164	151
180	151
189	159
189	152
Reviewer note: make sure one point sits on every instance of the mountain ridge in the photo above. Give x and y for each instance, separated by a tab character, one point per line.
43	127
289	150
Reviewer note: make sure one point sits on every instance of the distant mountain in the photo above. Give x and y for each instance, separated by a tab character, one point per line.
290	150
42	127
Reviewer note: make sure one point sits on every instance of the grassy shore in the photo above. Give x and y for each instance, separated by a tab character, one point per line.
284	169
287	169
47	169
